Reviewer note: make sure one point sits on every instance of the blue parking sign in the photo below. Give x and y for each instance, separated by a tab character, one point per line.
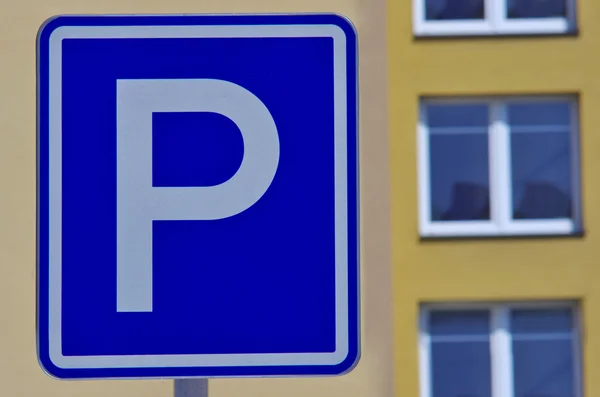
197	196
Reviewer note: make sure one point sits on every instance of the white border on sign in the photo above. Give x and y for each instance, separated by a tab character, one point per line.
55	196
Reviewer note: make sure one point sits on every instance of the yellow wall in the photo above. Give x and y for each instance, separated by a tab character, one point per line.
489	269
20	374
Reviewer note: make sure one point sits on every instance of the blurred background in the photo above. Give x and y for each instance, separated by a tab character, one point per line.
492	138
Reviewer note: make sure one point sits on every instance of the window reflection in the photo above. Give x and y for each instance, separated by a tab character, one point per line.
459	176
541	161
540	156
459	161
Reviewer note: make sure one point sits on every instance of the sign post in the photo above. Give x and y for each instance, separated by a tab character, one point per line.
191	388
197	197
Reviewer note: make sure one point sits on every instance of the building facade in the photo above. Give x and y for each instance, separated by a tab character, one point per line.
492	111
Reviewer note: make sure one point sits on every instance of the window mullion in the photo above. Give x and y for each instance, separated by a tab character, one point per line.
577	356
575	158
424	172
499	148
419	15
501	353
495	15
425	378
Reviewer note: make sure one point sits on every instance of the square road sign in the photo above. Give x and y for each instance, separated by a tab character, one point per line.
197	196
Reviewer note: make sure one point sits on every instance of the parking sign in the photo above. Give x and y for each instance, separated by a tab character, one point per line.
197	196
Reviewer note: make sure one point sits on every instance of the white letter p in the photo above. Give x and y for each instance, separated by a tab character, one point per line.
139	203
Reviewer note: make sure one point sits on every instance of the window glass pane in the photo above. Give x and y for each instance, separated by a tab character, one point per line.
536	8
536	321
539	113
457	115
460	369
543	368
453	9
459	169
541	174
467	322
541	160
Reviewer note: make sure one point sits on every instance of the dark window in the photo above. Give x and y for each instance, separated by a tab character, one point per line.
437	10
521	9
460	353
543	353
459	162
541	160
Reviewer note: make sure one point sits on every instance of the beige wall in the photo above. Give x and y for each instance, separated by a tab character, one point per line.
20	374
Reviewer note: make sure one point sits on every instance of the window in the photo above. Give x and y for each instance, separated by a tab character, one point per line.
488	17
499	166
515	350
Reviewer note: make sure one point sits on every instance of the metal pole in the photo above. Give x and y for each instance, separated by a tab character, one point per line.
191	388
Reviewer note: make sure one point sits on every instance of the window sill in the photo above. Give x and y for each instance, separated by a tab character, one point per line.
488	230
451	35
502	236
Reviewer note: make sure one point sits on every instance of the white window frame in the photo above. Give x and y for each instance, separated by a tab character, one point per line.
494	23
501	222
500	342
